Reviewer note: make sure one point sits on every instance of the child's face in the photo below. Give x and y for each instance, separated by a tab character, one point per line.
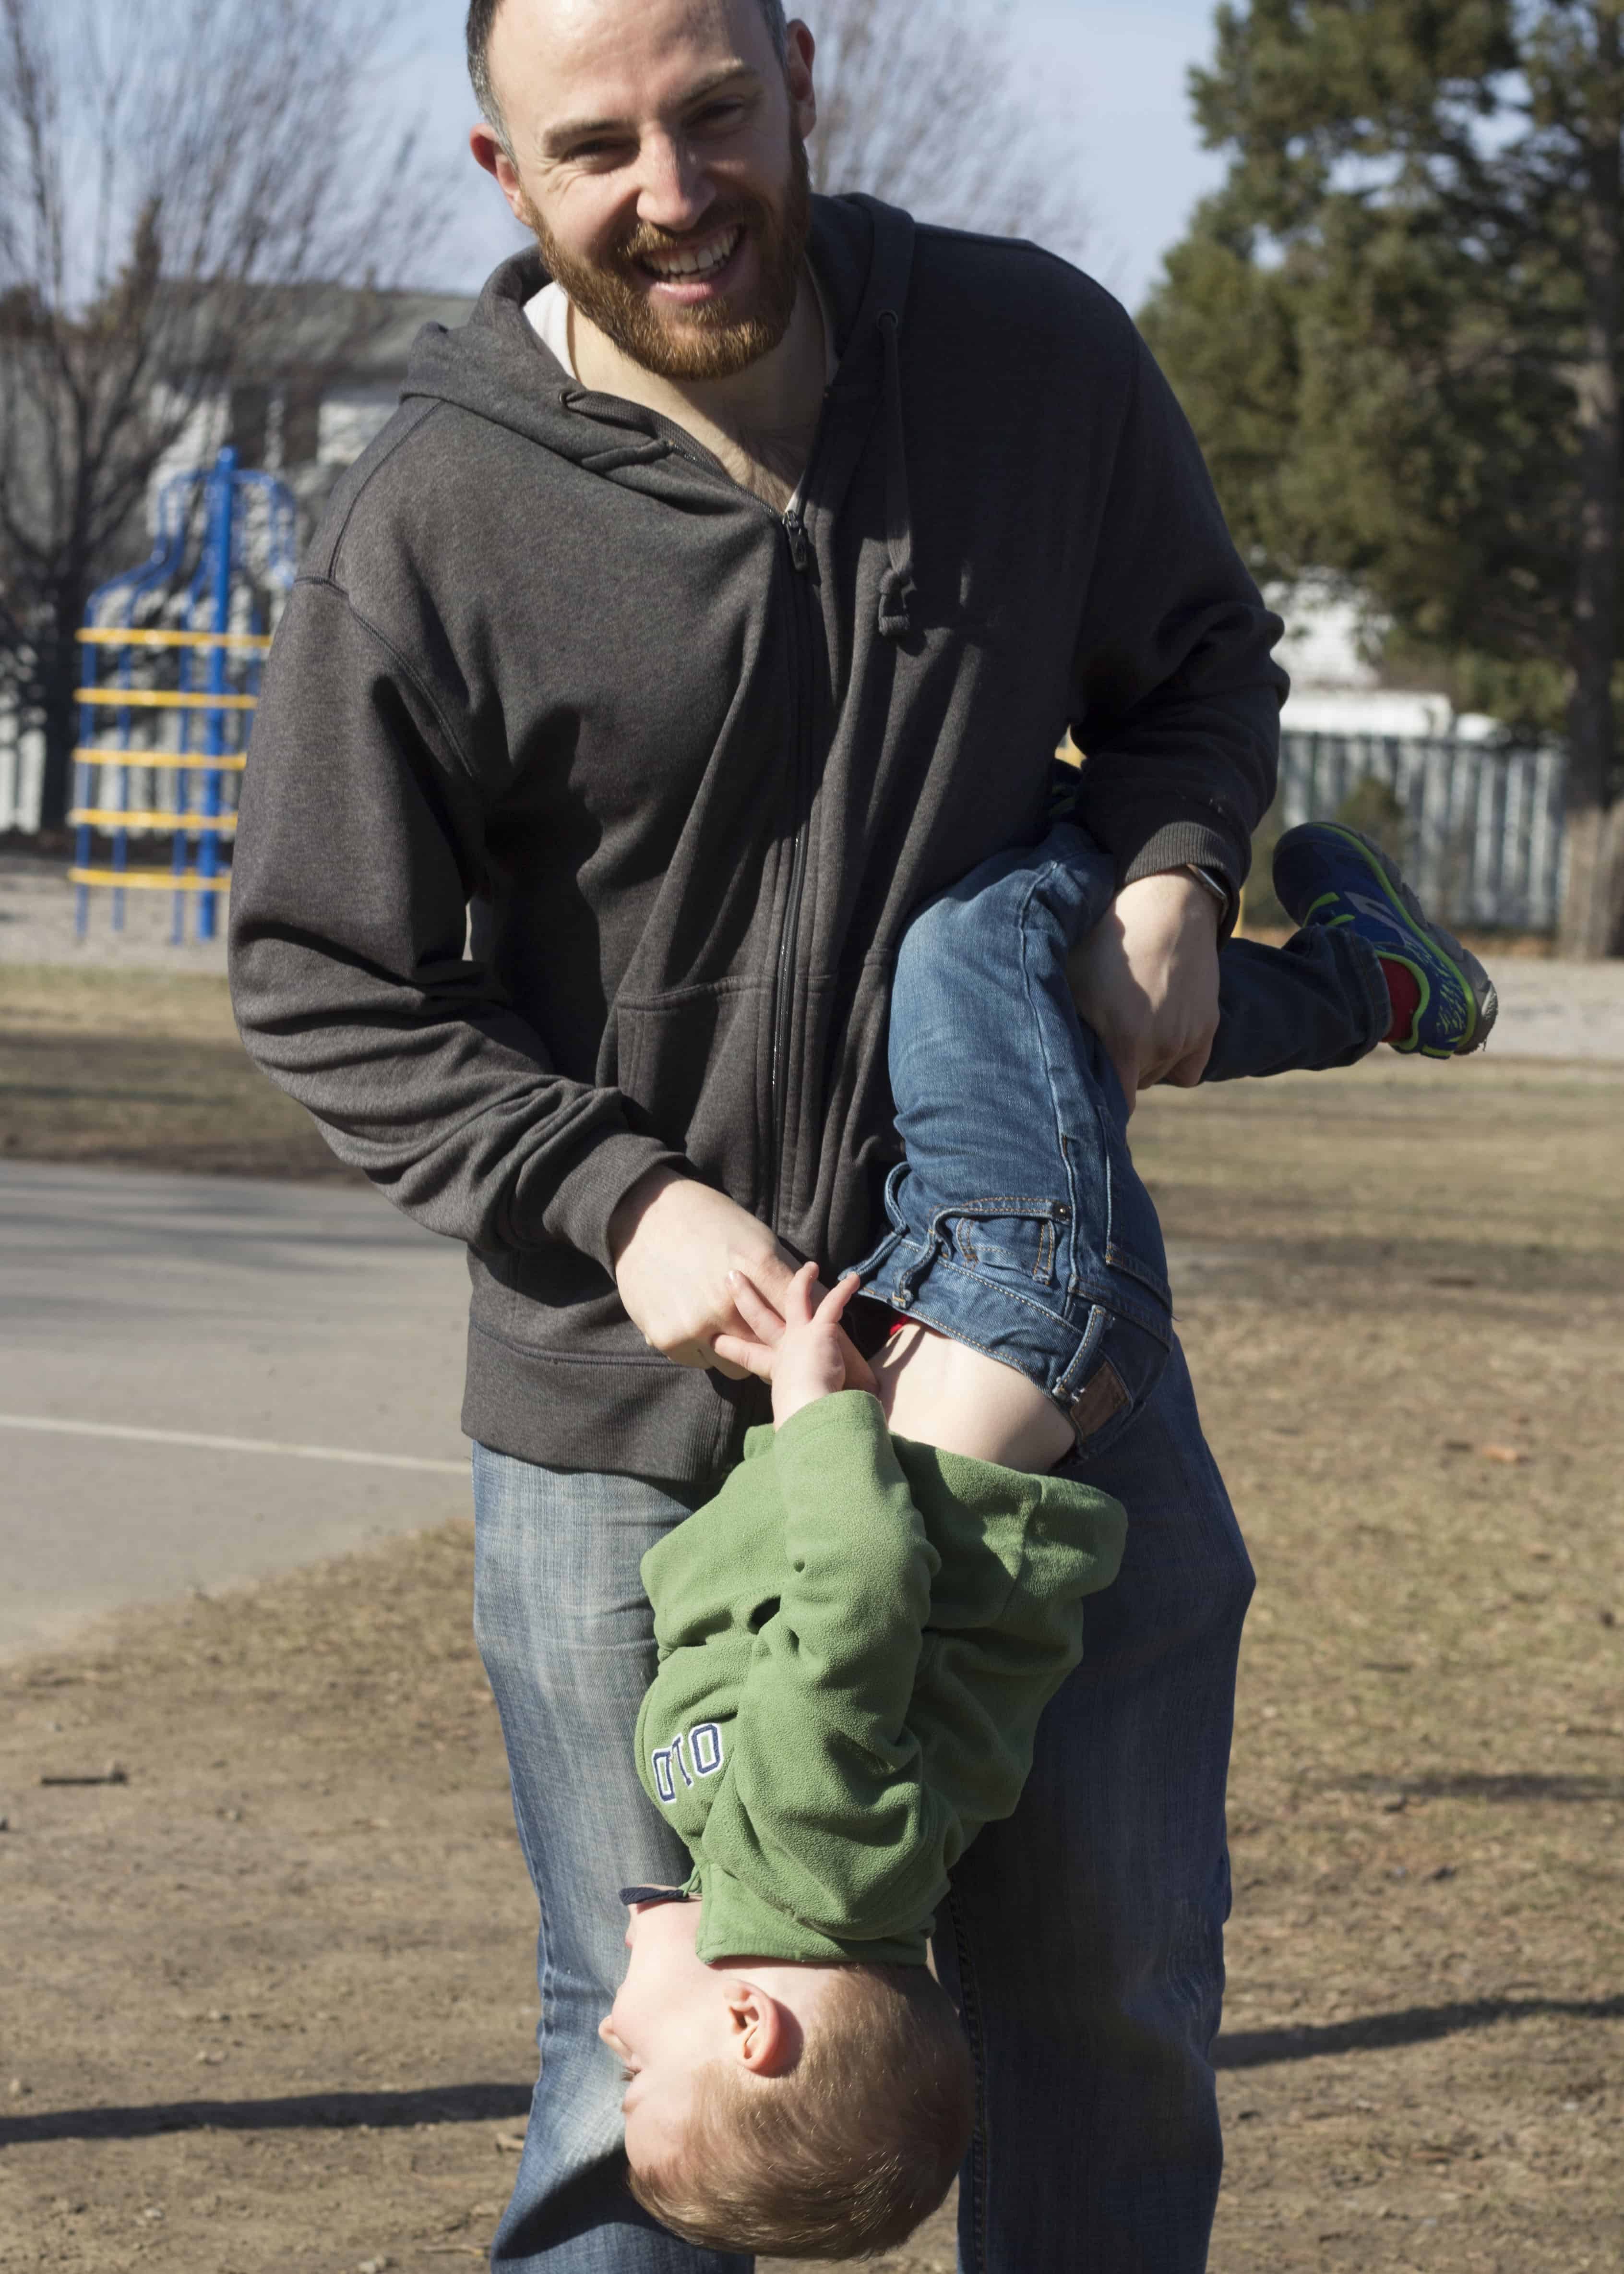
667	2021
673	2015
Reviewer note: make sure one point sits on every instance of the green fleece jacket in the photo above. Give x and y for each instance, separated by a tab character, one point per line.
856	1639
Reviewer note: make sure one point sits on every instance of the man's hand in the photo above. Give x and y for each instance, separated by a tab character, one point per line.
799	1347
1146	979
674	1242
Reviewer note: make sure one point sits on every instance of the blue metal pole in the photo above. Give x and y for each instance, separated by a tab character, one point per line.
121	796
224	488
180	845
81	780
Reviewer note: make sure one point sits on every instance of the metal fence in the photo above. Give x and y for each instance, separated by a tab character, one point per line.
1485	824
22	767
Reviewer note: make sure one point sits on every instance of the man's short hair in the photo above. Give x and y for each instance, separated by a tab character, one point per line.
482	16
846	2153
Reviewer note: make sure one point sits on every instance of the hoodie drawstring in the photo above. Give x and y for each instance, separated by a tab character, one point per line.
896	583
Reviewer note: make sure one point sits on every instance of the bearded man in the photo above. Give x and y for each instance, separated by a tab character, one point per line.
717	594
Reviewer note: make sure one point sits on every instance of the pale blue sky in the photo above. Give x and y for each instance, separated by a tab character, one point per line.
1112	76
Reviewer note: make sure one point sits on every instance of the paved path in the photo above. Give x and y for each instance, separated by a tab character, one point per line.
213	1307
1551	1010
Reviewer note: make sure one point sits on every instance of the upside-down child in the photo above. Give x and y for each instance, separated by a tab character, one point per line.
857	1634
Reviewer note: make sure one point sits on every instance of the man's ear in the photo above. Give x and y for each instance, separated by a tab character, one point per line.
486	145
762	2032
803	100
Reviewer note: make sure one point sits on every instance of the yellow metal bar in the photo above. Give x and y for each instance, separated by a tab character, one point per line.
109	636
164	761
162	698
100	817
151	880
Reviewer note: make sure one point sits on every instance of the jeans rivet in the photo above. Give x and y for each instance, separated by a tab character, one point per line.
903	1298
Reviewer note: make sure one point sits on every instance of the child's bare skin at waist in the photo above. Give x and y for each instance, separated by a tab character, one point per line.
941	1392
934	1389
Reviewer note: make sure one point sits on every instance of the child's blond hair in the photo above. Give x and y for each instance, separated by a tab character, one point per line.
843	2155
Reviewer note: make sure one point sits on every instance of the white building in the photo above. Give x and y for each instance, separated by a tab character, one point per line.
1335	687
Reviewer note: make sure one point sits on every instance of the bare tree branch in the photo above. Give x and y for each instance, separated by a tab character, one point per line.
918	104
179	180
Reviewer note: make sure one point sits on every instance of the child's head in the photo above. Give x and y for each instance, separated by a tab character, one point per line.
805	2111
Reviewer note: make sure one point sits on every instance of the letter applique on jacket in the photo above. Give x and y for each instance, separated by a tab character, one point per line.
702	1745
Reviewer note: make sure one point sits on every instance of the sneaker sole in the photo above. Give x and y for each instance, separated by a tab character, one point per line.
1475	980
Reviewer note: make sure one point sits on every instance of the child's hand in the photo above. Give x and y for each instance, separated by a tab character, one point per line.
806	1354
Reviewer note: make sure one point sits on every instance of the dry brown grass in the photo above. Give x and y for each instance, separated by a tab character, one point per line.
1417	1406
132	1070
304	1914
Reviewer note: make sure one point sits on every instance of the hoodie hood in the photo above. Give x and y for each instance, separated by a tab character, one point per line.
496	367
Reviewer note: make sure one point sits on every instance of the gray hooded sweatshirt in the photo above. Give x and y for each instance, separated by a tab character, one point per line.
692	763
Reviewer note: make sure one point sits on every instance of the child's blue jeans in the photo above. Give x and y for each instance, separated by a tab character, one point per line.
1084	1939
1018	1222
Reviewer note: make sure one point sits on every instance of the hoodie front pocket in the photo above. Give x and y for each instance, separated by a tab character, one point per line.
689	1067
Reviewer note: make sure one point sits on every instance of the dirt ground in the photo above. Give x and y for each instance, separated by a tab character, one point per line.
142	1069
268	2001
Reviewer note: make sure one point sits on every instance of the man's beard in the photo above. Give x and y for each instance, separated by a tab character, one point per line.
708	341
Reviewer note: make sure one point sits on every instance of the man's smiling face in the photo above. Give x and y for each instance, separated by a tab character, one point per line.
657	154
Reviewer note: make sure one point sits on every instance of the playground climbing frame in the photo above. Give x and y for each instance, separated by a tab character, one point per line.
165	706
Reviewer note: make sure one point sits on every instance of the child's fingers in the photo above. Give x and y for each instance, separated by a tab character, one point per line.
736	1350
798	1296
859	1372
833	1305
753	1308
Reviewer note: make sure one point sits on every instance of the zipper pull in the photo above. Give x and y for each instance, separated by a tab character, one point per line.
799	550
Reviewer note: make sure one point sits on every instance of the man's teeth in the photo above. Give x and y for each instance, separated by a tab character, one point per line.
697	261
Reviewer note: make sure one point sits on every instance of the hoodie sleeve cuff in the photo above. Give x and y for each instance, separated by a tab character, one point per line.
583	1201
1192	845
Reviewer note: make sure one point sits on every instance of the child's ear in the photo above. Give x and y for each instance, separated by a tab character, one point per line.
763	2033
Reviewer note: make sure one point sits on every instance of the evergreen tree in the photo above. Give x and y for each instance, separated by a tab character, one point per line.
1397	330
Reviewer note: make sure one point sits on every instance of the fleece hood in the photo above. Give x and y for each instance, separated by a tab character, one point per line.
498	368
589	795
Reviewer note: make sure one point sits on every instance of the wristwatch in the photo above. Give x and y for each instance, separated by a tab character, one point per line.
1215	885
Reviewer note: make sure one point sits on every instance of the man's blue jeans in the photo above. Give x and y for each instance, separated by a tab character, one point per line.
1084	1939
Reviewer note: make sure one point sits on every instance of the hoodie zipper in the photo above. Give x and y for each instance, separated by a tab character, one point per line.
783	977
800	547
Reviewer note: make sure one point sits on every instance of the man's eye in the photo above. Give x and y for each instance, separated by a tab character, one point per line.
720	113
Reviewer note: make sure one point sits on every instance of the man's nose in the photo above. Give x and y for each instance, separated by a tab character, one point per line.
673	192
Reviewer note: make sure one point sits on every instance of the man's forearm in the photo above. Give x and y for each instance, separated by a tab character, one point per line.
359	833
1176	697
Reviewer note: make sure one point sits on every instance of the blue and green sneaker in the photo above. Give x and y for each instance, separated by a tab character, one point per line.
1325	874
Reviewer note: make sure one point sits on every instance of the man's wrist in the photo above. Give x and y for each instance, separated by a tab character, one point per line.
1181	883
1200	887
1214	883
633	1205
